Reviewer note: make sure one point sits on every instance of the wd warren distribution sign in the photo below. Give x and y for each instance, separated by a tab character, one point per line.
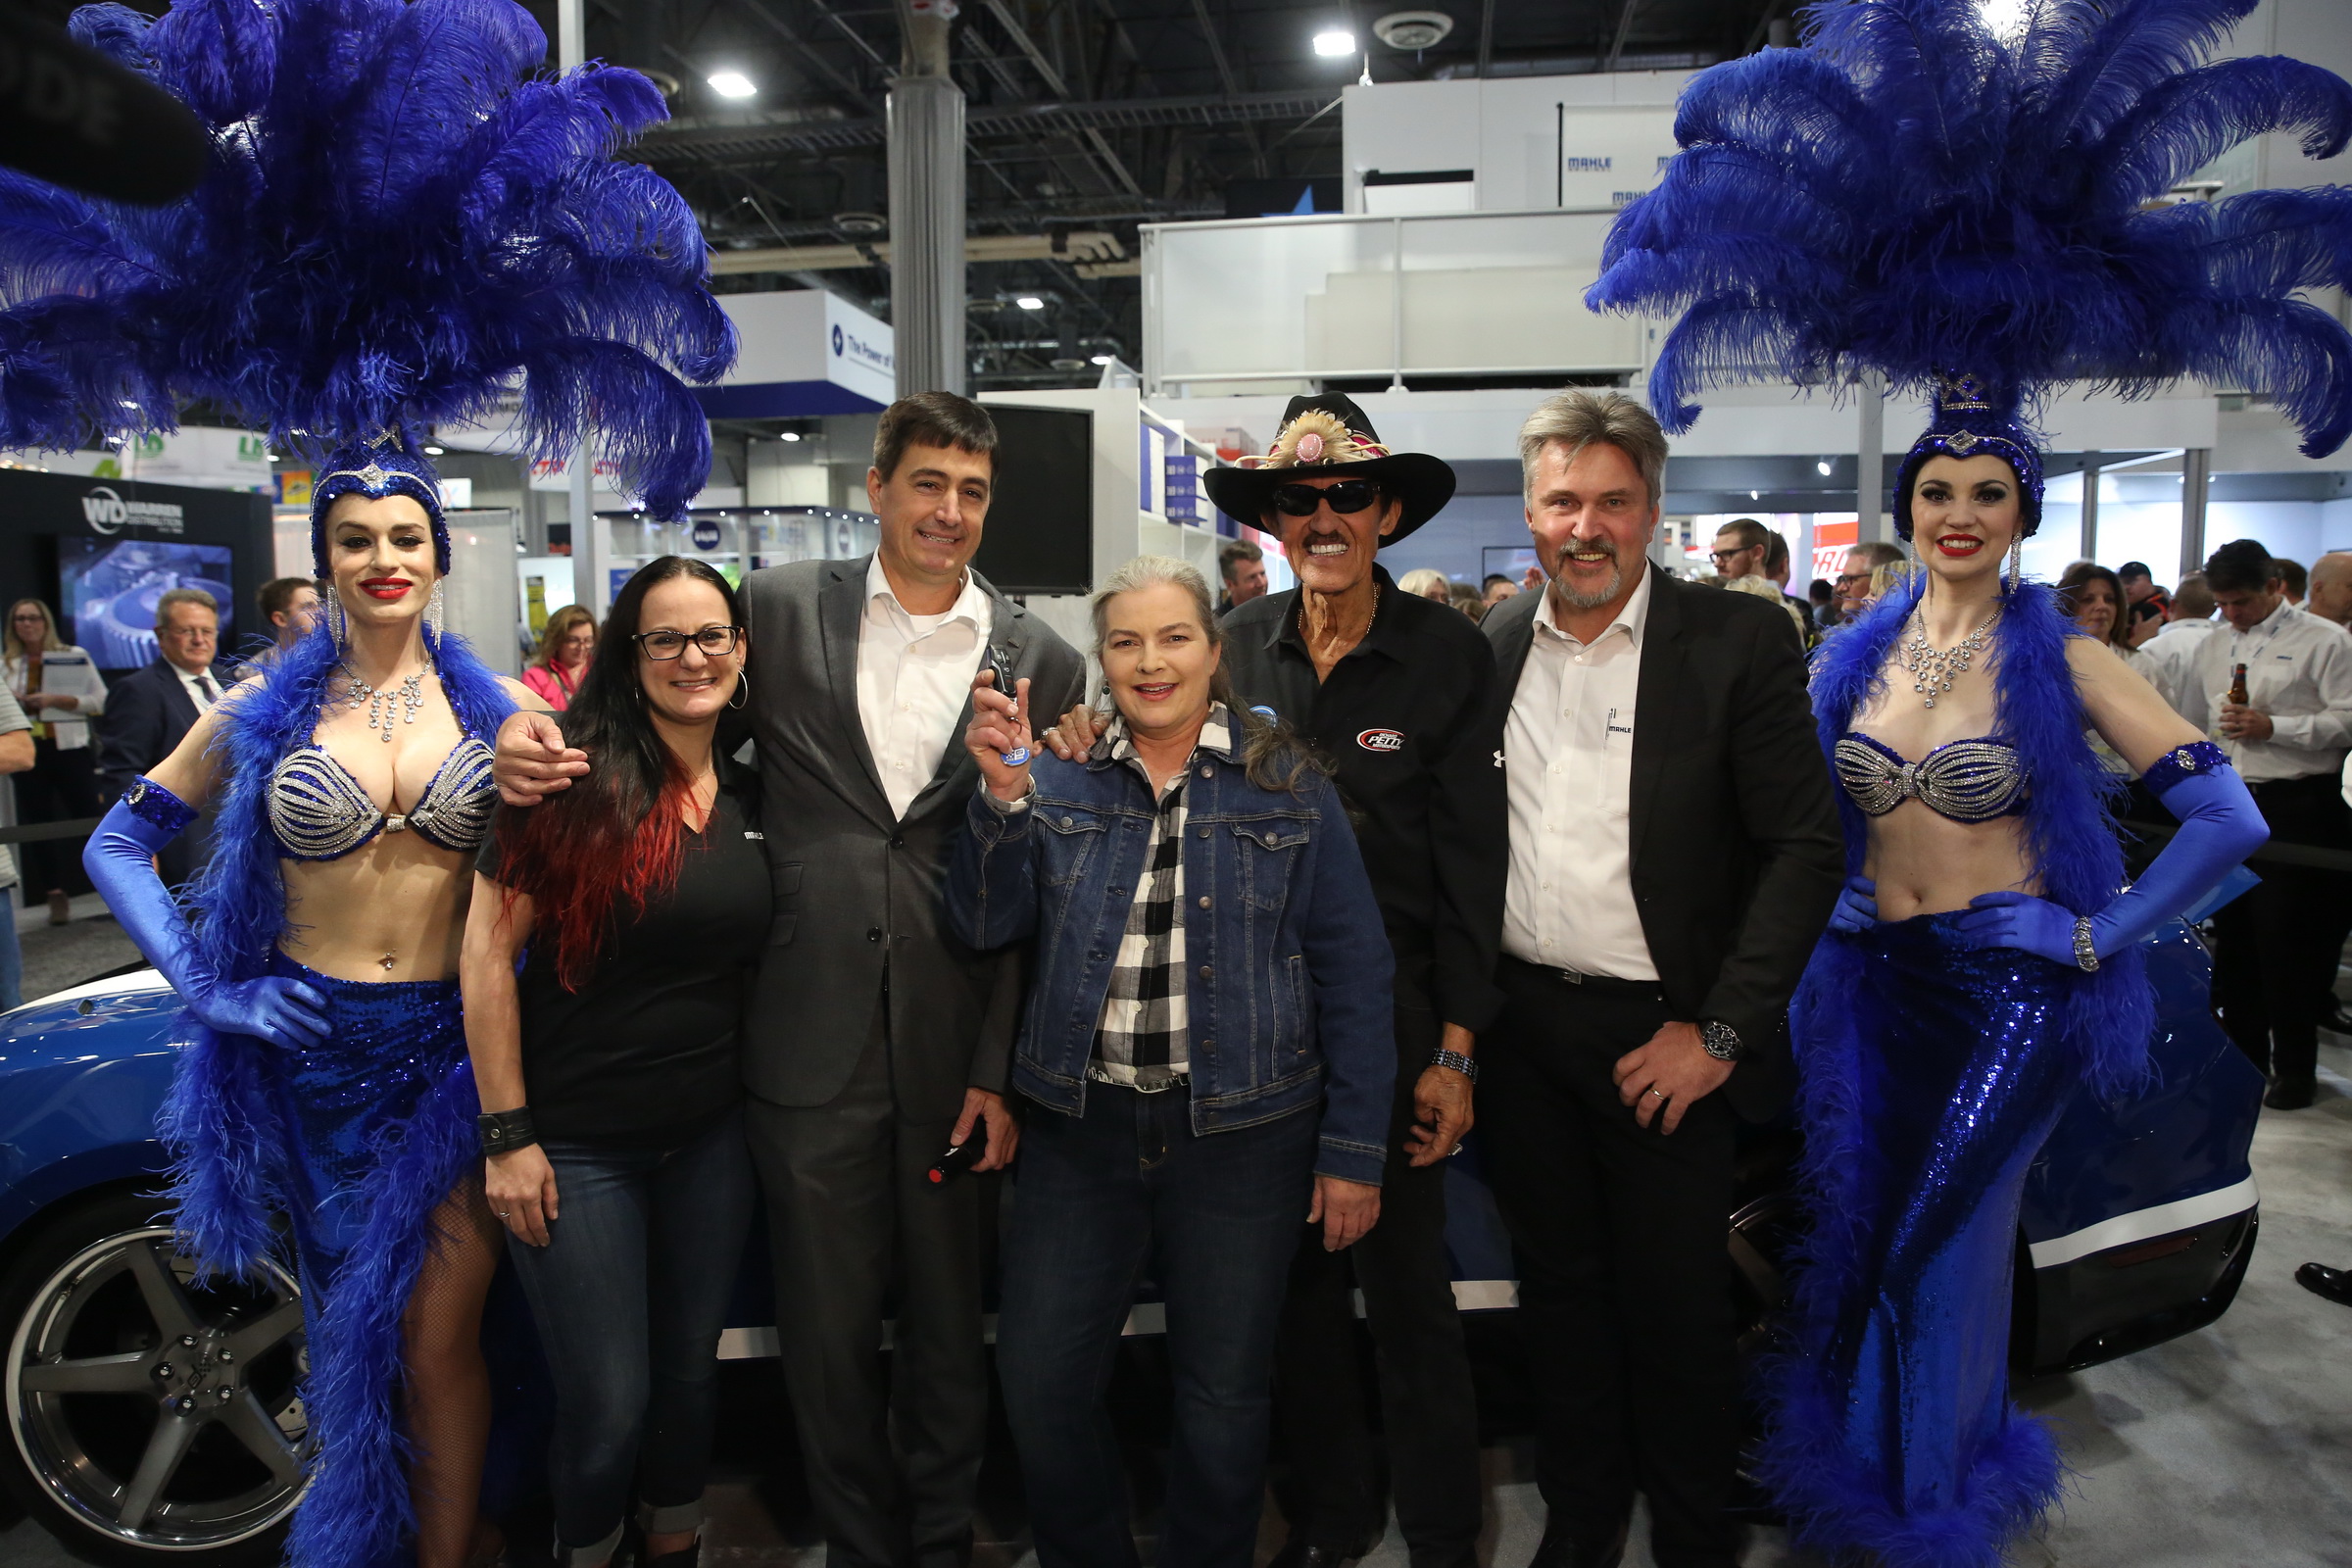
803	352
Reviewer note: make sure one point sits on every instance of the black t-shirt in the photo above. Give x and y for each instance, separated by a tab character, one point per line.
645	1054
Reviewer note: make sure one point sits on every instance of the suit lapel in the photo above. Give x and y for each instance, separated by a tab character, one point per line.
1515	636
839	609
1655	690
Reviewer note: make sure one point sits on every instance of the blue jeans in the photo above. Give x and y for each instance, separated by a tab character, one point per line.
1098	1198
630	1295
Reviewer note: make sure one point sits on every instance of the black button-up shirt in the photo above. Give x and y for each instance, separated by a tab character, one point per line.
1410	723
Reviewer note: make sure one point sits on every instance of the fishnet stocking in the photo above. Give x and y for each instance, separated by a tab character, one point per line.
447	1395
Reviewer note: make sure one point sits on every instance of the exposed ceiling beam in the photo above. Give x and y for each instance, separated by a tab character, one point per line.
1625	28
1486	40
1216	47
780	134
1086	247
1055	85
840	80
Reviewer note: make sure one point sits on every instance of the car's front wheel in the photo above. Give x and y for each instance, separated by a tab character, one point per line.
151	1417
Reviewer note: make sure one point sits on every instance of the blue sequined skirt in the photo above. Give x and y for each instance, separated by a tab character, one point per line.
1930	1074
358	1139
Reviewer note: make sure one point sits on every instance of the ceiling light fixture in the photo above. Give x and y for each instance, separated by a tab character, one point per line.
1751	495
1335	44
732	84
1030	301
789	435
433	452
1101	358
1824	466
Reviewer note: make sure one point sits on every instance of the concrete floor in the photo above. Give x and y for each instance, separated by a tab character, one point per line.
2229	1448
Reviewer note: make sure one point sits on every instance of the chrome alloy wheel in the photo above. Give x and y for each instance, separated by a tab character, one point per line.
154	1411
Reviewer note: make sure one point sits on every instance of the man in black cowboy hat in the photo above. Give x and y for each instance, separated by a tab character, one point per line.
1400	695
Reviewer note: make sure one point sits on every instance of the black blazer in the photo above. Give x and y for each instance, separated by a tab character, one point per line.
857	891
1736	845
148	713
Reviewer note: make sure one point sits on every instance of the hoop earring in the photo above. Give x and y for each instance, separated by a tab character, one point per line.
338	625
742	689
433	615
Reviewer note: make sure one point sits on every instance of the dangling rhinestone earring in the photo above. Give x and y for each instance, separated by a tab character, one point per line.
2017	559
337	626
432	615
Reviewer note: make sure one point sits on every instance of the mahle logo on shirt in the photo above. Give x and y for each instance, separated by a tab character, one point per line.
1380	740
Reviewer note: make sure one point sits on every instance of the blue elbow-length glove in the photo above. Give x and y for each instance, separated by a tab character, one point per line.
121	861
2219	826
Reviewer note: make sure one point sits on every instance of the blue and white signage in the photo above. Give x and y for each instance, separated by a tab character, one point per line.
802	352
705	533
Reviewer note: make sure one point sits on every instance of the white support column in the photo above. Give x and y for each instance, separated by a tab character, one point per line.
927	205
1870	450
591	581
2196	465
2089	549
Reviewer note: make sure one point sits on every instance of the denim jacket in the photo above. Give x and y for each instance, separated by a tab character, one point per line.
1288	996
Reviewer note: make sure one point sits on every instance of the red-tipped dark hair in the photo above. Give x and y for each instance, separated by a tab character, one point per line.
617	835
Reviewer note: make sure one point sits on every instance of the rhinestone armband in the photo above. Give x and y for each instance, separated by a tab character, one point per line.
157	806
1457	1062
2086	955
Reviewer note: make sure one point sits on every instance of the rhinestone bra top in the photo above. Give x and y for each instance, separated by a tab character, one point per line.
1968	780
318	811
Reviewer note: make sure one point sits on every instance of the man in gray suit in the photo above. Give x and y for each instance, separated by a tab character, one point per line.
876	1039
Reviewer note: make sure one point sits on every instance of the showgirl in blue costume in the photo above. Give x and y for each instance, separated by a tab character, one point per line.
1962	212
402	221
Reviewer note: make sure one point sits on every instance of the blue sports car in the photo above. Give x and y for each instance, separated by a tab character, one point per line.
154	1416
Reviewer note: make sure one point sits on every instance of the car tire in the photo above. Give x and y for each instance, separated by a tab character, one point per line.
149	1418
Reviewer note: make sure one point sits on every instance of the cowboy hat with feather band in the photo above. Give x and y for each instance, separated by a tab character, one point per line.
1327	436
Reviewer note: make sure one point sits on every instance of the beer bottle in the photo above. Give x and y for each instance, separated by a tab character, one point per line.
2238	685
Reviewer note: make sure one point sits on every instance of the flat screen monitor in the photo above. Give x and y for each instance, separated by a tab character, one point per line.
1040	537
110	587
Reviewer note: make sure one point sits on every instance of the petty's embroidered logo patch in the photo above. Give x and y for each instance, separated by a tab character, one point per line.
1380	740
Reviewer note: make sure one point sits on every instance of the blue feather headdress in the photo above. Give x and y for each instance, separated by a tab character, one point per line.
403	221
1975	216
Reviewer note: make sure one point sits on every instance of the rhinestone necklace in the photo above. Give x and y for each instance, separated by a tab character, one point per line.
407	696
1934	668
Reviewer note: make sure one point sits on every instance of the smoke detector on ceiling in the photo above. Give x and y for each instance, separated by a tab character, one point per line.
860	226
1412	30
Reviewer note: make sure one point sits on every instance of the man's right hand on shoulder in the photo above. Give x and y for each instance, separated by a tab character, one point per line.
1075	736
532	760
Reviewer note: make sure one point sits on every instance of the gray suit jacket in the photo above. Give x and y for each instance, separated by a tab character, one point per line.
857	891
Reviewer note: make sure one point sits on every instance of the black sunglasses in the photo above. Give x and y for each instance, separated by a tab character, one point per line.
1302	500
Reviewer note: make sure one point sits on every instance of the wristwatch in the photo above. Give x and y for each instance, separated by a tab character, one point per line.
1720	1041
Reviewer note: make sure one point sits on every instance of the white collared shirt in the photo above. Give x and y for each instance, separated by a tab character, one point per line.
2299	672
196	693
2169	661
915	675
1568	753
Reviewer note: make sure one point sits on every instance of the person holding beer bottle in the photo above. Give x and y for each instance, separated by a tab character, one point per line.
2284	715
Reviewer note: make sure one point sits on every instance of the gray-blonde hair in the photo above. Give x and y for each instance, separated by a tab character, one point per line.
1576	418
1271	755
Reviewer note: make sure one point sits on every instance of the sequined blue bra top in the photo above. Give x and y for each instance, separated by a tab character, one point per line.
1968	780
318	811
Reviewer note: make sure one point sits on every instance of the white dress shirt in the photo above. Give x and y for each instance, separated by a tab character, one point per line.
2169	661
1568	763
203	687
2299	672
915	673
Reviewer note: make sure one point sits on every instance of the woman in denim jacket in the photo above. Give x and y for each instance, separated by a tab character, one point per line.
1208	1038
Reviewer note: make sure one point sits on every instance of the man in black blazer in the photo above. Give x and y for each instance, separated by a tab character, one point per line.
874	1039
150	711
1674	856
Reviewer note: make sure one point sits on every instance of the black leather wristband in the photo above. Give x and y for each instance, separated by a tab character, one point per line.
501	1132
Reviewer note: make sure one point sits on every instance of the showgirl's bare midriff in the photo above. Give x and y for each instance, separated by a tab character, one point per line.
1924	863
400	897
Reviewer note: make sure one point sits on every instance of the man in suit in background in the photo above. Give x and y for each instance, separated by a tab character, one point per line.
149	711
1674	856
875	1039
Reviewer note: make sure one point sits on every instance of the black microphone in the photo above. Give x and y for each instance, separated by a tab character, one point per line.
957	1160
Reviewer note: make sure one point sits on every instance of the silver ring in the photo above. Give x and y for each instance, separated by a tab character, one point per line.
1455	1149
1653	1090
500	1212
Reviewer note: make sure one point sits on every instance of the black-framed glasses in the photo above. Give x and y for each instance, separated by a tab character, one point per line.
714	641
1723	555
1845	577
1302	500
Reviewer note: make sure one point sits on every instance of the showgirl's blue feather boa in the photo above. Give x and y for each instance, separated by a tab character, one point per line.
223	1129
2069	822
1834	1501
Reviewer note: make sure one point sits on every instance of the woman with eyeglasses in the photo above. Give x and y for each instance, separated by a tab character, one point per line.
57	685
639	902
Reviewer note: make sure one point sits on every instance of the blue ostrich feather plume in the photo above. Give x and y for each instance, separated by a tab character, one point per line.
1911	193
404	221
